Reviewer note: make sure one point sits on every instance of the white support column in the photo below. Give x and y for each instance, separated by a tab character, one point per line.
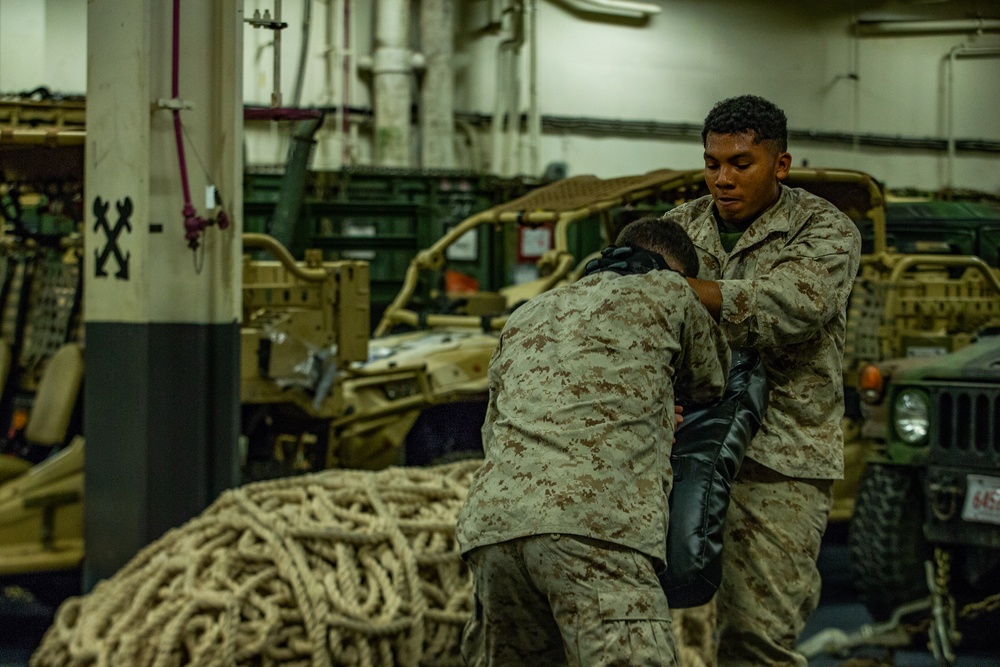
162	297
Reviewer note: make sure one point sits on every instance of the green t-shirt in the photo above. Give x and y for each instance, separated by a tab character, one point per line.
728	233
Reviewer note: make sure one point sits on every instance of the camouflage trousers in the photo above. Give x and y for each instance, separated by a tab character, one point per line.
770	583
552	600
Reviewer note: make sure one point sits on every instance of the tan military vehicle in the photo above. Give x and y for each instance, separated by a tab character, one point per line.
41	365
417	393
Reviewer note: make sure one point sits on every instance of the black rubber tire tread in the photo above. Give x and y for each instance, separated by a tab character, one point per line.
445	433
455	457
48	588
886	539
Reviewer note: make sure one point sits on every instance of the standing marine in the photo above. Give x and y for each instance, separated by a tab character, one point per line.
776	269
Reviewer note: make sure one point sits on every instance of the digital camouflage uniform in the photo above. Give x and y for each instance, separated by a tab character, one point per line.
567	517
784	292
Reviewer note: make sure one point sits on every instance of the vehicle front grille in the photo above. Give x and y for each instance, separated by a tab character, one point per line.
968	419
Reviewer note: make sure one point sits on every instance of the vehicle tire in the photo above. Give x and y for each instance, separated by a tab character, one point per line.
886	540
455	457
49	589
446	433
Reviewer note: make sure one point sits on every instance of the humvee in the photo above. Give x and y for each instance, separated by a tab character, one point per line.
924	538
923	527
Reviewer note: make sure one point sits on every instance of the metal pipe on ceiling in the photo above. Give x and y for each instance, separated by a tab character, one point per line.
437	95
626	8
392	79
883	28
300	73
977	52
957	52
534	112
507	104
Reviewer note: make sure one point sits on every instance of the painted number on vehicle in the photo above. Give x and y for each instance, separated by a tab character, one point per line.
982	499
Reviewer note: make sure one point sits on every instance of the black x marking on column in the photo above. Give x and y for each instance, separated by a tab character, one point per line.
111	247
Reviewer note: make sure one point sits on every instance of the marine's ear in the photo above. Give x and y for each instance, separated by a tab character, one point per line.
782	163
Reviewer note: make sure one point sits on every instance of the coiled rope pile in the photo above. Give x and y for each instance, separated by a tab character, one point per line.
336	568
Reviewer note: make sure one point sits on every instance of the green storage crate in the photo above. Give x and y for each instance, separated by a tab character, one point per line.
385	216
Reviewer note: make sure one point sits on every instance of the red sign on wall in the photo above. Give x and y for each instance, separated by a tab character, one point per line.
533	242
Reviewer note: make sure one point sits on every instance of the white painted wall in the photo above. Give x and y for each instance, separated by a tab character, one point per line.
670	68
22	44
797	54
43	43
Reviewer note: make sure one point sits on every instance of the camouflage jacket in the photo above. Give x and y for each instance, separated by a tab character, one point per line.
784	292
580	419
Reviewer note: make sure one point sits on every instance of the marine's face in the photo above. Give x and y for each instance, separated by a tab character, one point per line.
743	176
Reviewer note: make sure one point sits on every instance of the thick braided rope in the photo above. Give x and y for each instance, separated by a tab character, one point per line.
336	568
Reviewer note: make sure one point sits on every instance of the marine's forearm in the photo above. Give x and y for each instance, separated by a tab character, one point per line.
709	294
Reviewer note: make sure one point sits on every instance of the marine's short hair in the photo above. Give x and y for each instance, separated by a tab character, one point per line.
665	237
748	113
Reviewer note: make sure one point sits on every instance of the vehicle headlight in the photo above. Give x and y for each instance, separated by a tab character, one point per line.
912	412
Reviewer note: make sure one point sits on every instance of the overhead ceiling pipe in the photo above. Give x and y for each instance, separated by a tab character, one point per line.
300	73
976	52
534	112
437	94
886	28
507	104
392	66
960	51
626	8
